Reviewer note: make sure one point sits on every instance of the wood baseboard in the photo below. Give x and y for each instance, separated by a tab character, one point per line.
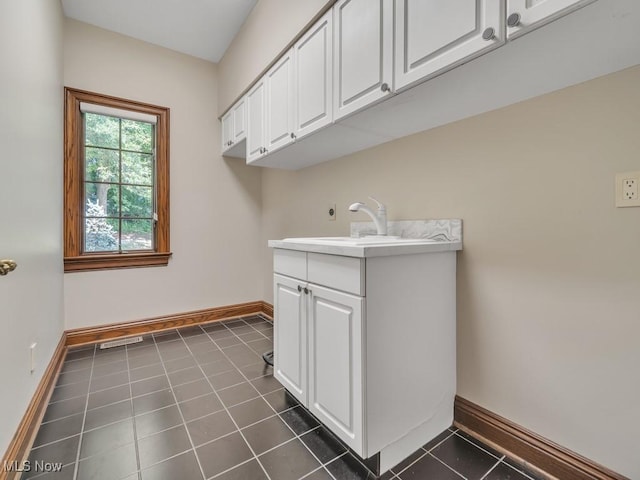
526	447
23	439
81	336
267	309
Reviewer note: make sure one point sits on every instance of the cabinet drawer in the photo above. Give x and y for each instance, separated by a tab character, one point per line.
340	273
290	262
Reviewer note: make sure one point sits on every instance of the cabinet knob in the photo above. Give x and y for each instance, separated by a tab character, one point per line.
513	20
299	288
306	291
489	34
385	87
293	135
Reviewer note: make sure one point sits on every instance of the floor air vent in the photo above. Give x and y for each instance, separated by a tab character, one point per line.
120	343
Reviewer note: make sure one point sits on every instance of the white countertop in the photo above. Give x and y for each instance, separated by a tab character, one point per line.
364	248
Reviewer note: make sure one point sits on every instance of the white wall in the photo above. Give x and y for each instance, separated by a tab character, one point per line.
30	199
548	302
251	50
215	203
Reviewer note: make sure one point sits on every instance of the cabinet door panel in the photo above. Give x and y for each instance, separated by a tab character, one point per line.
255	116
335	363
314	77
433	36
239	121
279	103
290	337
227	124
535	13
363	44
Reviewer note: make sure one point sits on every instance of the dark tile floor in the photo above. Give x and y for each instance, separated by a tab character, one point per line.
199	403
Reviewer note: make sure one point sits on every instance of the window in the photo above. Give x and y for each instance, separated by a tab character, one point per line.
116	183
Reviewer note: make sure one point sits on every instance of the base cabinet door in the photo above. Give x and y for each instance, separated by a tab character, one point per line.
433	36
290	336
525	15
335	363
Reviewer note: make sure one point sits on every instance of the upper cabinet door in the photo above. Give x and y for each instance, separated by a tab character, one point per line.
363	53
433	36
313	77
279	103
525	15
255	122
227	127
239	121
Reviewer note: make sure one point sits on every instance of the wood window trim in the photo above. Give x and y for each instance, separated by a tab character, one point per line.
74	259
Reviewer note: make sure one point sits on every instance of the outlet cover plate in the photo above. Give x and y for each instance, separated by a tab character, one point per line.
628	189
331	211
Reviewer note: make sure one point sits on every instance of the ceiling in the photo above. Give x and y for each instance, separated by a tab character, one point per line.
202	28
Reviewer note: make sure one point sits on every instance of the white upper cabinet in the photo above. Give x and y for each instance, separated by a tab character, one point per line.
313	77
255	122
525	15
279	104
239	121
433	36
227	127
363	53
234	131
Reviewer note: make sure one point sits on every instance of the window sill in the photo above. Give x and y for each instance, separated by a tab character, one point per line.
115	261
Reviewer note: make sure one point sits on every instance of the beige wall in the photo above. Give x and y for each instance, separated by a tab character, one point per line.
251	50
31	302
548	303
215	203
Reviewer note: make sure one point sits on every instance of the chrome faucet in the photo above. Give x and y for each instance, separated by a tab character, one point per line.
380	218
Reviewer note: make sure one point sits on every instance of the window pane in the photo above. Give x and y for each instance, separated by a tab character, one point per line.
137	234
101	235
137	201
101	200
137	136
102	131
101	165
137	168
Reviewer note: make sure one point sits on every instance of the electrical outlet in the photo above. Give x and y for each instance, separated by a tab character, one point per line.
331	210
627	194
630	189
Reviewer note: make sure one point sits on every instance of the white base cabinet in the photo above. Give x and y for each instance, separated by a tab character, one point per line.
368	345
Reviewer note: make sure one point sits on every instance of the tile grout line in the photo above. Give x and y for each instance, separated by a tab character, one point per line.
84	418
492	469
426	452
133	416
225	407
296	436
184	423
477	446
448	466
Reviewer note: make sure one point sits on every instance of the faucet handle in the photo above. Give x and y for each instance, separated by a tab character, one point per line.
380	205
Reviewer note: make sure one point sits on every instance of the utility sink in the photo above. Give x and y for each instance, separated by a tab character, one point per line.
359	241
